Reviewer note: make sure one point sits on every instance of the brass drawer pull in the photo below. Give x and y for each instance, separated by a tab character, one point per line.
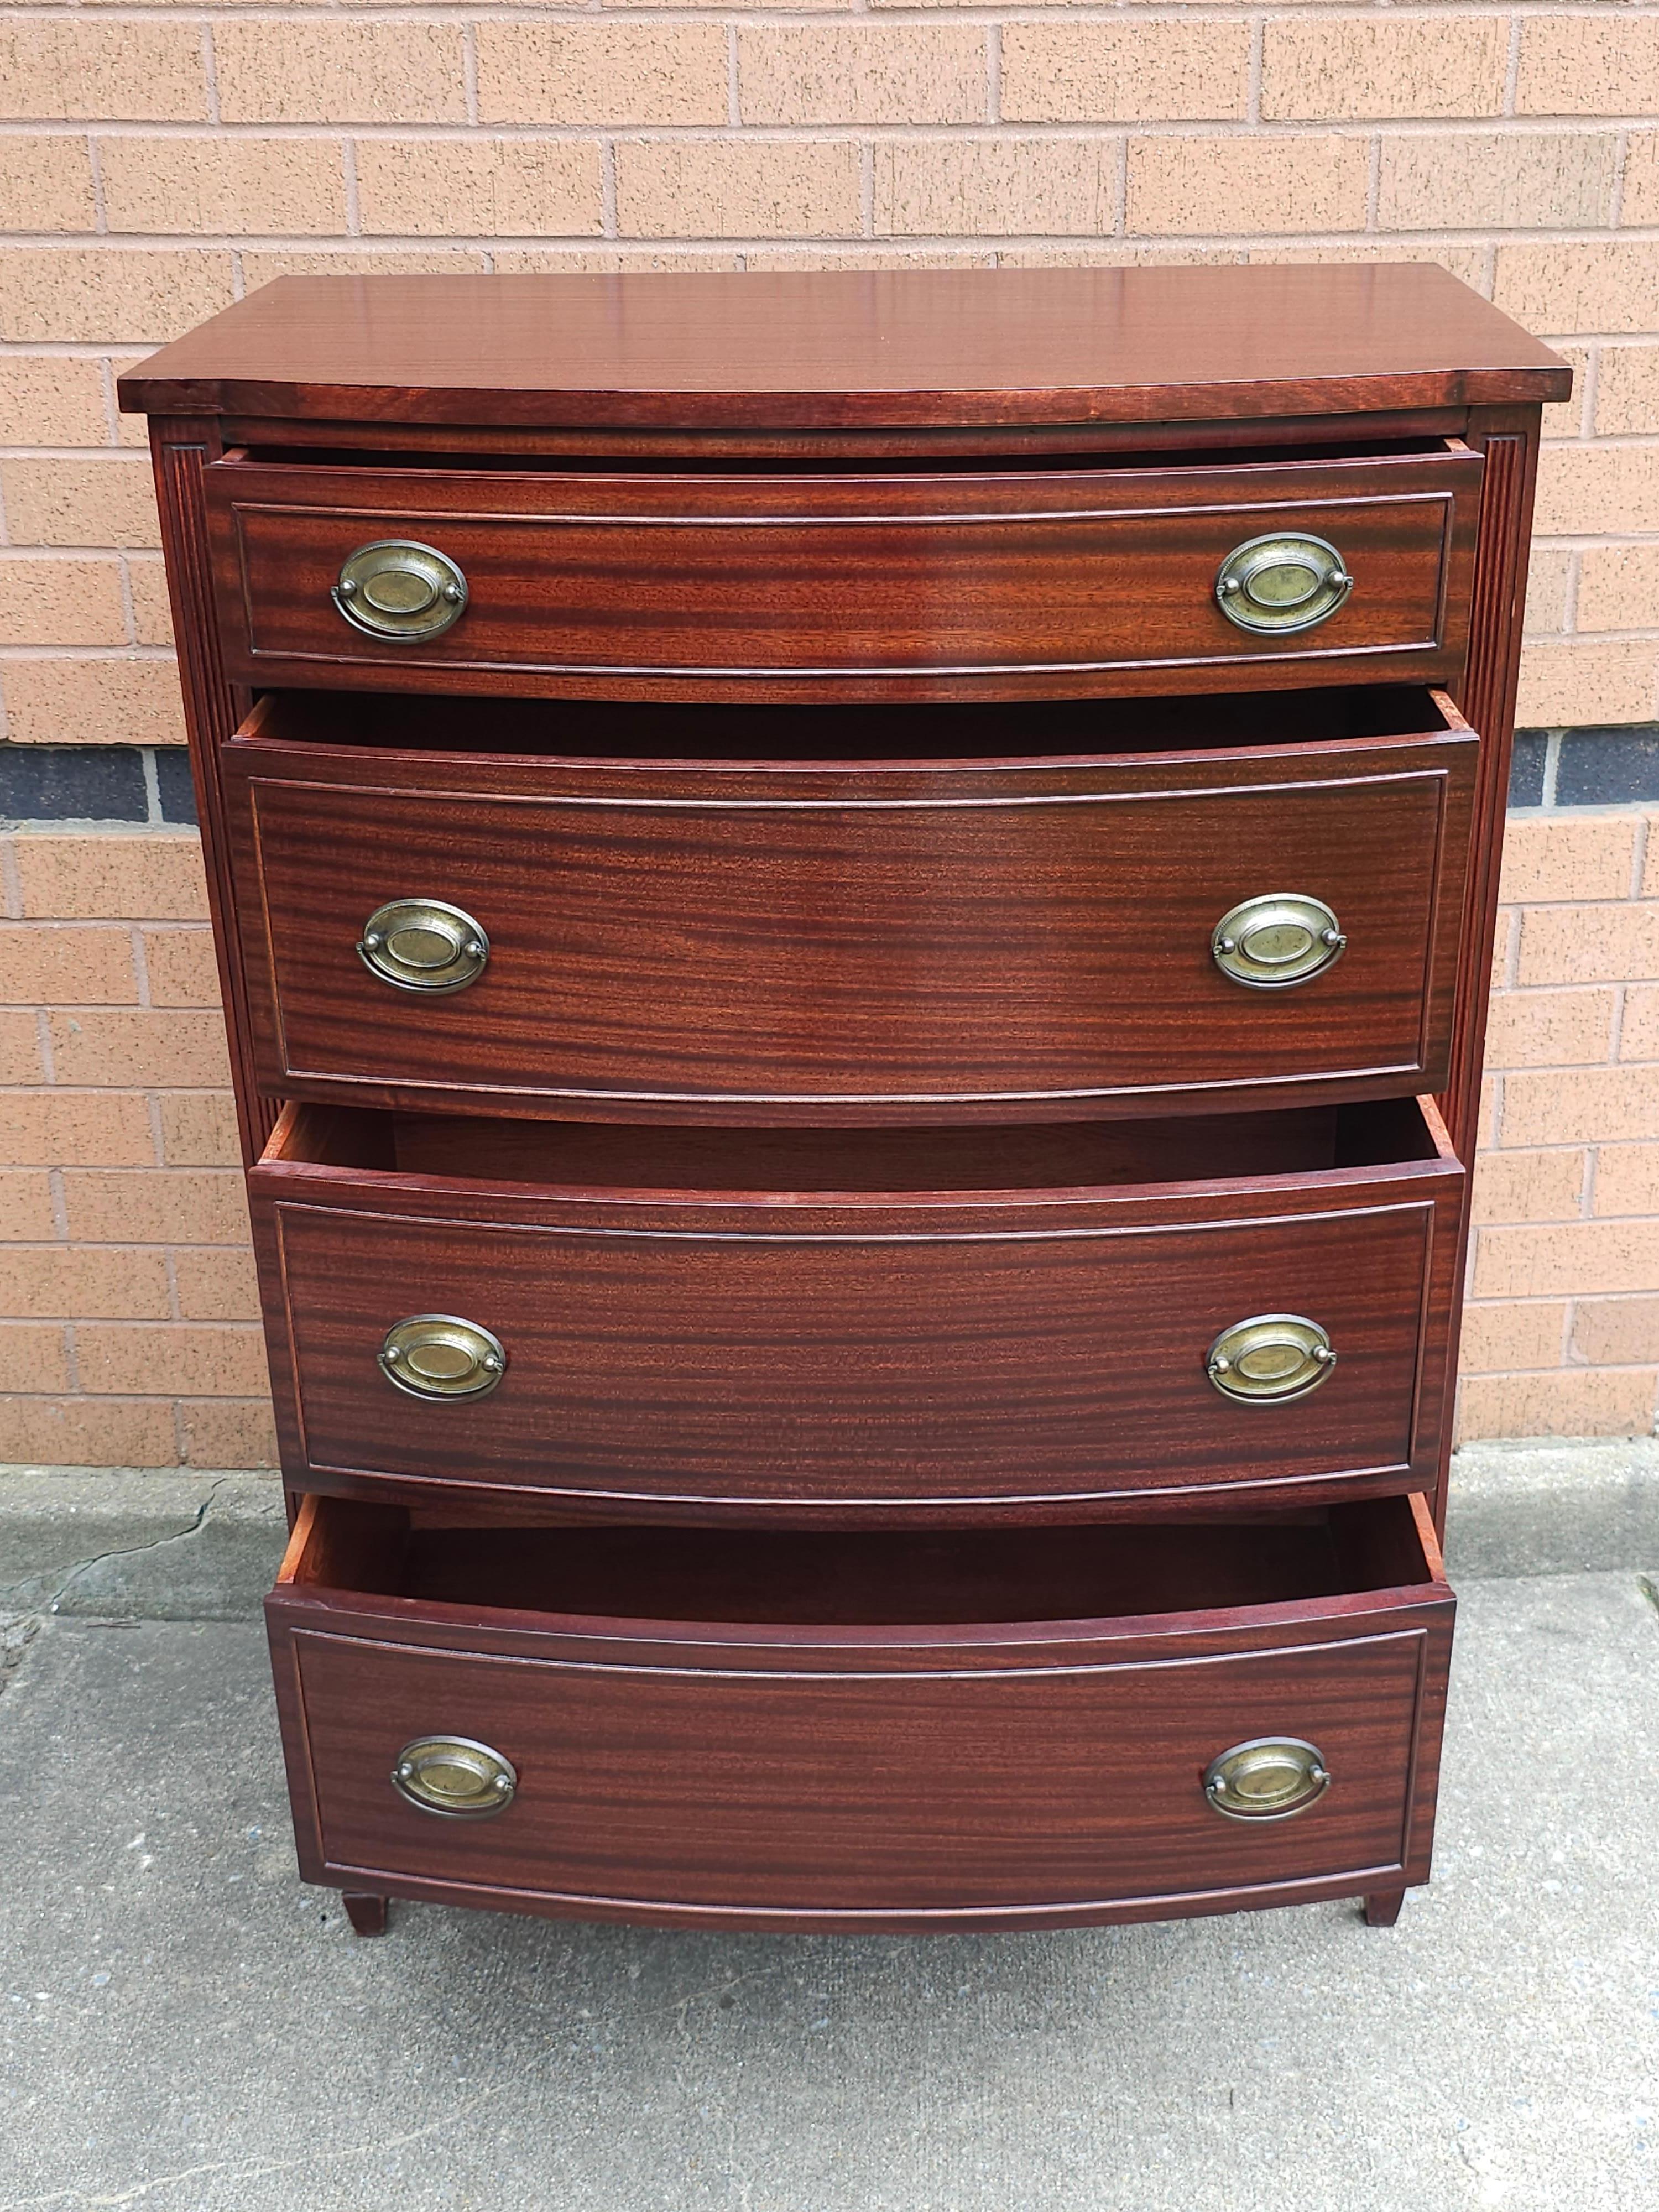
1285	581
1269	1779
437	1356
454	1777
1277	939
401	591
423	944
1271	1357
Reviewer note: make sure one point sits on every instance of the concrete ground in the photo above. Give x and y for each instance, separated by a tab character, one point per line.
187	2029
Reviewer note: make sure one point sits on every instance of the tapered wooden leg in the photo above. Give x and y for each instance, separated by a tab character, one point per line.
366	1911
1382	1907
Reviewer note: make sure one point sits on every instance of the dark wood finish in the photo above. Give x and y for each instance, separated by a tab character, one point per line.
975	585
979	1772
366	1913
1382	1907
983	939
855	348
880	1354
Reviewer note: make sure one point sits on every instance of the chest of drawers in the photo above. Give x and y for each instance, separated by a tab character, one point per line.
854	913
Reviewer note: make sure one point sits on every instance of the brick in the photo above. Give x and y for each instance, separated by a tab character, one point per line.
67	966
259	269
62	69
1572	1401
608	74
155	1206
1498	180
220	1284
1569	1258
181	967
84	1432
979	187
152	614
199	1130
1628	391
80	502
46	183
1547	590
1550	1029
266	185
1466	263
1264	183
48	400
1639	1033
83	1128
1597	488
1568	856
493	187
1588	683
1588	944
1650	859
27	1214
1639	202
1617	1332
1334	68
137	295
61	602
152	1044
34	1356
864	73
1590	286
1564	418
96	876
195	1361
1580	65
72	702
1498	1339
20	1047
604	260
1627	1180
233	1432
1617	587
340	72
1529	1187
1581	1106
1124	71
102	1281
738	188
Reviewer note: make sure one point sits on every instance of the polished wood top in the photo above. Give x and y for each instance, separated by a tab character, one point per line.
853	348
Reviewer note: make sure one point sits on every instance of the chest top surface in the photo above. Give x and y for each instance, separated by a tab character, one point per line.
853	349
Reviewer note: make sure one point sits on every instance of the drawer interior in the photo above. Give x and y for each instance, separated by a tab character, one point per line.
619	1158
592	730
858	1579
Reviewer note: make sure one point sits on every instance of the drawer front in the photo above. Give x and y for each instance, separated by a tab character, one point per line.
880	1364
702	1780
811	586
877	946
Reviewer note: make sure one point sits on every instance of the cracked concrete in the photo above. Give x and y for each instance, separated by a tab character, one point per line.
185	2028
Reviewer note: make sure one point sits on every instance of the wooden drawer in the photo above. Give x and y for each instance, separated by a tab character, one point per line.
866	1327
879	1732
866	940
1016	583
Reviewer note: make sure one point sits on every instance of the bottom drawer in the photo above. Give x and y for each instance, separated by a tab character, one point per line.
958	1729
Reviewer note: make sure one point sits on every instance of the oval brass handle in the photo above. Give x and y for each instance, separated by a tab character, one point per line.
454	1777
1276	939
1271	1357
1284	581
438	1356
423	944
400	590
1268	1778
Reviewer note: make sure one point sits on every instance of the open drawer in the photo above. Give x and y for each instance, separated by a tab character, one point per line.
957	1730
869	1326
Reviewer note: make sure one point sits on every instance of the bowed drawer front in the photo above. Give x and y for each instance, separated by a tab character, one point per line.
1051	584
869	944
780	1765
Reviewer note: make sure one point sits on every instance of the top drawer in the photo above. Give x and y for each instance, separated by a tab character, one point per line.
1058	583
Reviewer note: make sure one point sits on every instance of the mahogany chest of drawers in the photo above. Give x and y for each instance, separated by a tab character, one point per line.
854	913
